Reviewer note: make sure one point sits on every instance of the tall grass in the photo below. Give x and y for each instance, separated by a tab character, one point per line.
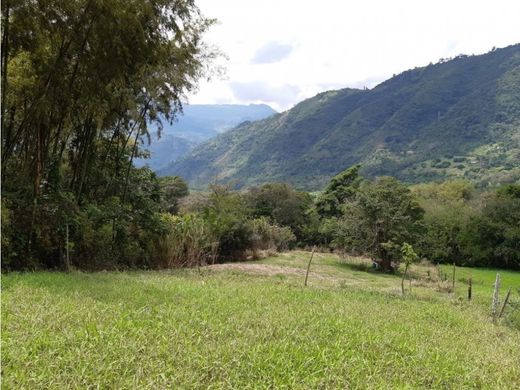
265	235
190	242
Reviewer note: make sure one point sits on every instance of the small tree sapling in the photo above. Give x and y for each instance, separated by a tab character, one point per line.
409	256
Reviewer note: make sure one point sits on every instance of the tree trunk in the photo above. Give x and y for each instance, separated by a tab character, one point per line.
386	264
5	54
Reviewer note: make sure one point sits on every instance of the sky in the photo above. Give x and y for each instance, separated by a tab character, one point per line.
280	52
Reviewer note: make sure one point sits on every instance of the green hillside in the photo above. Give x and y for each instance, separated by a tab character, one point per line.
456	118
196	124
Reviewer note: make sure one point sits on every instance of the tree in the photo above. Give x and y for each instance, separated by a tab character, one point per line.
227	213
409	257
492	237
81	82
173	188
340	188
380	217
282	204
448	208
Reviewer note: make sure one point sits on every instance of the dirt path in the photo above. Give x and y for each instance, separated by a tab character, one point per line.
266	269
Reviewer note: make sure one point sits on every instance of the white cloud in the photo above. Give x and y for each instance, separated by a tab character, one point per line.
263	92
340	43
271	52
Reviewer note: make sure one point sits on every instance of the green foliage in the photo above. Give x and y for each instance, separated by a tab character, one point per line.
451	190
469	228
173	188
282	204
448	208
417	126
227	213
492	237
381	217
81	82
6	237
341	188
511	191
190	242
408	255
267	236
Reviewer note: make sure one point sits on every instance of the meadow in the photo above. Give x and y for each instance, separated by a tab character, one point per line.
254	325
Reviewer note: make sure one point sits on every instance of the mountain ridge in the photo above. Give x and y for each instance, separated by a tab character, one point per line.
464	112
196	124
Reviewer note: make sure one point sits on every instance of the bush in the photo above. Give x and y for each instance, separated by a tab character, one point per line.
441	164
267	236
189	242
492	238
282	204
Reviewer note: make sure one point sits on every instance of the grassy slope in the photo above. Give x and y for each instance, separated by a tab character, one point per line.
226	328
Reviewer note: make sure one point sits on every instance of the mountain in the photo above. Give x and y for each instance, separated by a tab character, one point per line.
198	123
456	118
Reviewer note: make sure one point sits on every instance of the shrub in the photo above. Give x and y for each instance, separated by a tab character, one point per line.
441	164
189	242
282	204
267	236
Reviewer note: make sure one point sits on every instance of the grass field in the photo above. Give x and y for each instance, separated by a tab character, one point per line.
253	325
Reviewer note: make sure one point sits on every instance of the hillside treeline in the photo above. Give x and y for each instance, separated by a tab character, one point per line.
162	225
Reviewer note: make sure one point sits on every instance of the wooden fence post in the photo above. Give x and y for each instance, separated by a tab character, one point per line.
309	265
469	289
453	279
494	303
505	302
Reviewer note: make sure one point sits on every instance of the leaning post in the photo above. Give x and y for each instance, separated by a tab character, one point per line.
309	265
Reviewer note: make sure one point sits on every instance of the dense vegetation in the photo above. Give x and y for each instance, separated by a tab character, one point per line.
77	110
454	119
163	225
449	222
252	325
81	82
198	123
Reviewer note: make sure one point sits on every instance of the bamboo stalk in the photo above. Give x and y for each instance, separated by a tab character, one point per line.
67	258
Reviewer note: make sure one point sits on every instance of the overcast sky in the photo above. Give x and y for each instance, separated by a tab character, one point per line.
283	51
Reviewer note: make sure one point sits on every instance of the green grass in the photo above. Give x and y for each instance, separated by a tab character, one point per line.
232	328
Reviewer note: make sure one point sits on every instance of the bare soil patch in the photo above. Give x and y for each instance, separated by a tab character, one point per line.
265	269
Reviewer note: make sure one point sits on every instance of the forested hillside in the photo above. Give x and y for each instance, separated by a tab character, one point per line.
196	124
457	118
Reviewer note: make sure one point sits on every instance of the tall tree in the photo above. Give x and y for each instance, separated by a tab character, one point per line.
81	82
340	188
